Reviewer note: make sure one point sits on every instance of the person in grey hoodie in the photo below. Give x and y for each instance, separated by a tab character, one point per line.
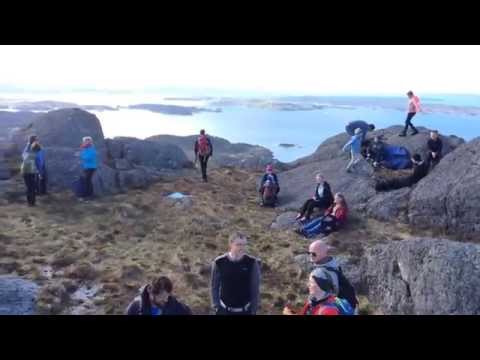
355	146
319	257
359	124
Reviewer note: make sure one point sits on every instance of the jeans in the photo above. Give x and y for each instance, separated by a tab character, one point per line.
30	182
88	182
203	164
408	123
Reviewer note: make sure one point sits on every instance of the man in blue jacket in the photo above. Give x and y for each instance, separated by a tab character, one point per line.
88	156
41	181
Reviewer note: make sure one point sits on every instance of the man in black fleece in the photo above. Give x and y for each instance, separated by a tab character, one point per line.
435	149
420	170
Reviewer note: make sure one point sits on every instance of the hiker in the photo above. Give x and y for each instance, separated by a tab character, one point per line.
413	108
318	251
157	299
322	299
269	187
203	150
28	146
359	124
322	198
41	178
88	155
334	217
435	149
355	145
29	171
235	282
420	170
375	152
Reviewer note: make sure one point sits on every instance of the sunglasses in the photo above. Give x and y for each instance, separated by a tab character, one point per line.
312	254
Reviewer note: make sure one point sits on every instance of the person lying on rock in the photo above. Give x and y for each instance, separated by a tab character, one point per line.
334	217
235	281
354	145
435	149
318	251
156	299
322	198
420	170
321	300
268	194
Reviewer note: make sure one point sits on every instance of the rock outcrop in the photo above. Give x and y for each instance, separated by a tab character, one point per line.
422	276
240	155
17	296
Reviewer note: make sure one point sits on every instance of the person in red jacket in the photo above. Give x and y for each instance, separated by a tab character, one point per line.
334	217
321	300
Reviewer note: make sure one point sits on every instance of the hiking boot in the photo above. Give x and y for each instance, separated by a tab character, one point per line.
402	134
415	132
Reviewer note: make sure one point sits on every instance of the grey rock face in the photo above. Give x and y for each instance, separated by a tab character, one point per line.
17	296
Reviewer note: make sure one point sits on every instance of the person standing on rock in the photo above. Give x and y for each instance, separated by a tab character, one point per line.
319	257
355	149
29	171
413	108
41	181
322	198
435	149
203	150
88	156
28	146
156	299
359	124
235	281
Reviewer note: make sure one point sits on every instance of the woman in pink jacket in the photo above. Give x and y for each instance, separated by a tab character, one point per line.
413	108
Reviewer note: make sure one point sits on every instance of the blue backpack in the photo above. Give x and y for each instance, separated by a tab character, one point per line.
344	307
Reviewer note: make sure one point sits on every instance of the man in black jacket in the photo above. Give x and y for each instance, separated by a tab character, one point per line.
235	282
420	170
156	299
435	149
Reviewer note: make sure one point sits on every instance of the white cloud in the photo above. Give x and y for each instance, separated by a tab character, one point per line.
288	69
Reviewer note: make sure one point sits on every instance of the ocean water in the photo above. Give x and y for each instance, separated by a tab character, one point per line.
268	128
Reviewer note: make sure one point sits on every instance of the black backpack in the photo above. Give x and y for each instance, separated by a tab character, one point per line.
345	289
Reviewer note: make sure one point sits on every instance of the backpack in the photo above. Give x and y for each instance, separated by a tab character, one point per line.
203	146
345	289
269	193
79	187
28	164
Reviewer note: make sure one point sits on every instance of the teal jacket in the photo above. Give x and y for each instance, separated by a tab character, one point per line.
89	157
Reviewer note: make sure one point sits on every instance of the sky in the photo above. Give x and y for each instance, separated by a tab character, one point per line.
281	70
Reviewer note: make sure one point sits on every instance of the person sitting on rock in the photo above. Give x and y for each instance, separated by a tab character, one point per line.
334	217
359	124
420	170
269	193
354	144
157	299
322	299
322	198
375	152
318	251
435	149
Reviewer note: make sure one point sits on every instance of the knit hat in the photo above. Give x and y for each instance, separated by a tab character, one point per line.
323	279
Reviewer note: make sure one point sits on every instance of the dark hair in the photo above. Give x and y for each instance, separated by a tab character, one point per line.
410	93
202	132
161	284
371	127
417	157
36	146
32	138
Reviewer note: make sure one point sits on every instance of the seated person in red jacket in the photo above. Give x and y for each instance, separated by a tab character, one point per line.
335	216
321	300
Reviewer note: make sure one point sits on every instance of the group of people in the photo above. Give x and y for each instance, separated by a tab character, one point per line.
235	287
34	168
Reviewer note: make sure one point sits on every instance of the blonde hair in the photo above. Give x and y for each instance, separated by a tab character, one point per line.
236	235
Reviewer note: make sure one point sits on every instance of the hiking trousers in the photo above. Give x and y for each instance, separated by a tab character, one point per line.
355	158
310	205
30	183
408	122
203	164
88	182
